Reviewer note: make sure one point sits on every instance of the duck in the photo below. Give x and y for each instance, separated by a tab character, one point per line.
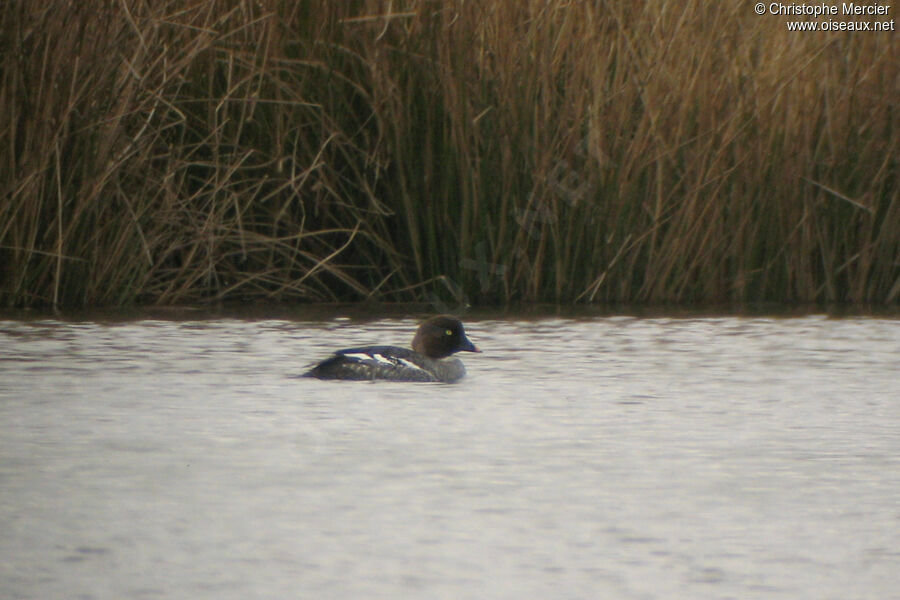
430	358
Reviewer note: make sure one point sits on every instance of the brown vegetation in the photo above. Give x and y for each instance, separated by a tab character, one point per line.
611	151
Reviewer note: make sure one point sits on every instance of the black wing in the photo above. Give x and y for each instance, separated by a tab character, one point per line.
373	362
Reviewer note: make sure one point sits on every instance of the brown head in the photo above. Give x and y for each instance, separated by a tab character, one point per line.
439	337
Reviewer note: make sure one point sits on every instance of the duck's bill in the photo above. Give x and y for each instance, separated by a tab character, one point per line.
470	347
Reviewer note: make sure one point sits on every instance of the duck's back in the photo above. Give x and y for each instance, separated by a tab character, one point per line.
378	362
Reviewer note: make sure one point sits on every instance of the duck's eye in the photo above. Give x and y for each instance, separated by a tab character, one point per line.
448	332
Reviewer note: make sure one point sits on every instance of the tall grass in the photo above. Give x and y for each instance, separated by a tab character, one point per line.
545	150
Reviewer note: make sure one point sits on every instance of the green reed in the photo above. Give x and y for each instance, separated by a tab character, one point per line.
188	151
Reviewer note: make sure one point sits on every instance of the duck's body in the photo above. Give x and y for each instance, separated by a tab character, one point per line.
387	362
429	360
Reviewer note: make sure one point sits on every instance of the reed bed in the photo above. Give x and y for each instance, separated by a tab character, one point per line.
507	151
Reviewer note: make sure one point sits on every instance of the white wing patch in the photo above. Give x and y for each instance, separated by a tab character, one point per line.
411	365
385	366
383	359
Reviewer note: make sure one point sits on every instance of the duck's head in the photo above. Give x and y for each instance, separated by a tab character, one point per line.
439	337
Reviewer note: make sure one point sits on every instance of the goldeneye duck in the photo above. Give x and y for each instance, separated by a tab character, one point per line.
429	360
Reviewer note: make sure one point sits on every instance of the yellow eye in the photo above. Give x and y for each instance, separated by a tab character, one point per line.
448	332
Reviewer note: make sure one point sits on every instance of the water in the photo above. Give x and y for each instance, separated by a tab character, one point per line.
613	457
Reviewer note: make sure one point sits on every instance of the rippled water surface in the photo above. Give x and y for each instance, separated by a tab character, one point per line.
608	457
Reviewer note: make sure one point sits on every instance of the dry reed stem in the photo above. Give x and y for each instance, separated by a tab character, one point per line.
189	151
